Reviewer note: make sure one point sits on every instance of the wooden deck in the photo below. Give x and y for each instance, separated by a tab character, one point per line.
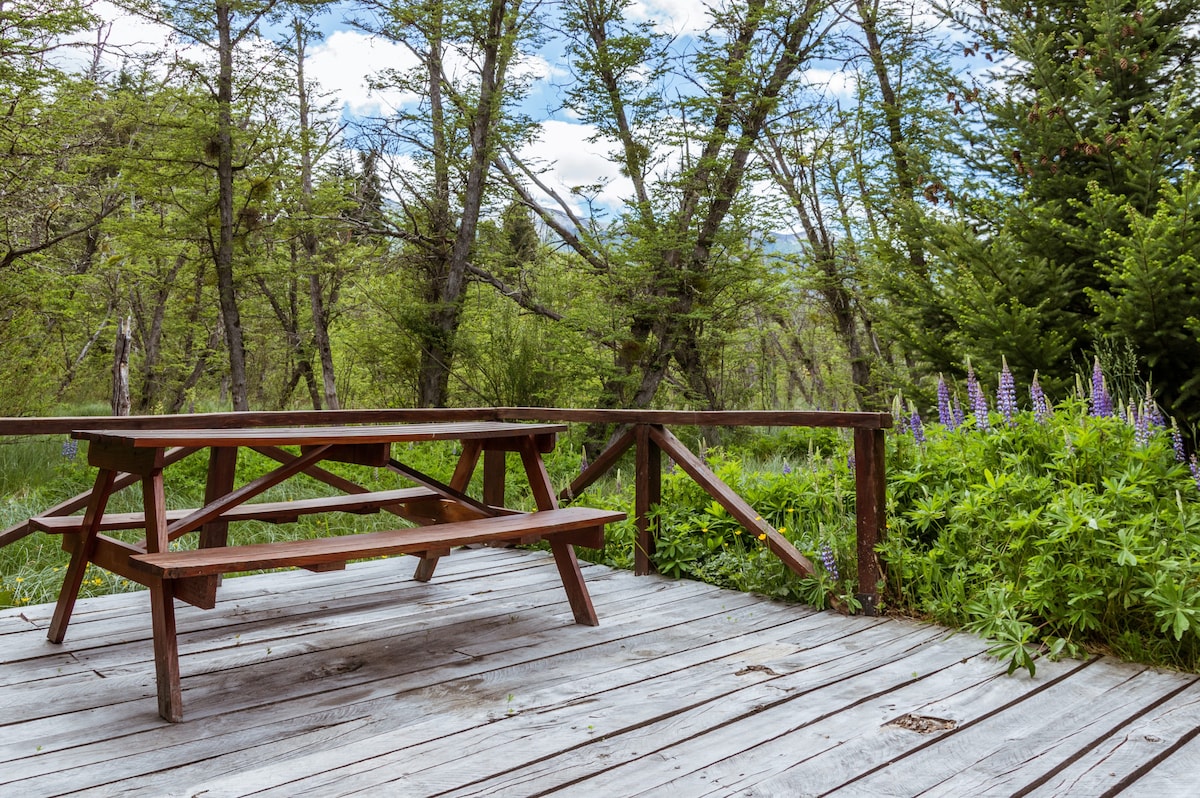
480	683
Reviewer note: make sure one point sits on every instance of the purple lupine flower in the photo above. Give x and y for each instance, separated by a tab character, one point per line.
829	561
945	415
959	415
979	406
918	429
70	448
1195	469
902	425
1041	408
1102	406
1006	394
1155	415
1141	425
787	468
850	461
1177	442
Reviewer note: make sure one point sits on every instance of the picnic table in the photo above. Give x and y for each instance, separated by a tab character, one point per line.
446	515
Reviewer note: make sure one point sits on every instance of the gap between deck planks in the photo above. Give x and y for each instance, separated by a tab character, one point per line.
479	684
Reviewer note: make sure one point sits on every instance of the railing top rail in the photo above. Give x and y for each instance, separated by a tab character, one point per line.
55	425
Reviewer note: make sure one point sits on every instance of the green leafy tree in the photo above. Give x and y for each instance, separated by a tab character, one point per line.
1083	103
222	29
435	158
682	262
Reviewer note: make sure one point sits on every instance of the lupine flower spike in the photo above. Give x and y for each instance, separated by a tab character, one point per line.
1141	425
1006	394
1195	469
1041	408
945	414
1177	442
1102	406
1154	414
899	415
979	406
918	428
829	561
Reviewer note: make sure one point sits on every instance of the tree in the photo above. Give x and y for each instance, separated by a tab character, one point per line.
466	55
1084	105
683	259
61	136
221	28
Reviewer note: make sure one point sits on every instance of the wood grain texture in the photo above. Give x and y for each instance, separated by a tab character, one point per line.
291	553
367	683
312	436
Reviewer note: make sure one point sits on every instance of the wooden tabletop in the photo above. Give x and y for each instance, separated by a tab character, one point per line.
310	436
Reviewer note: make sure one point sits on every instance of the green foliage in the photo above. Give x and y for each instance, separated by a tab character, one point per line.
1153	274
1086	214
1060	537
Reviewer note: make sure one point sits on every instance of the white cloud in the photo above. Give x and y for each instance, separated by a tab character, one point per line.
343	62
677	17
573	161
839	82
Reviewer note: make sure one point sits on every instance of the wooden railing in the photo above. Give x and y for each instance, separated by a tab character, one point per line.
644	430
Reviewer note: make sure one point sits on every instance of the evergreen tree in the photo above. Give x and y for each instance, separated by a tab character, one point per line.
1083	102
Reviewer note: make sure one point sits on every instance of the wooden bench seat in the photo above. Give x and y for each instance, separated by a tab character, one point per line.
171	570
273	512
583	526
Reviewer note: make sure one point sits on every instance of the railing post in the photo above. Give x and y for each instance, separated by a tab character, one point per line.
647	494
870	486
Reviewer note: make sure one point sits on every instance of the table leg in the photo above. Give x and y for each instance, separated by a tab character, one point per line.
493	477
564	553
162	602
459	482
84	545
222	466
166	650
572	579
539	477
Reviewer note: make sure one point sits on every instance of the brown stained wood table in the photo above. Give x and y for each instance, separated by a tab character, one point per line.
447	514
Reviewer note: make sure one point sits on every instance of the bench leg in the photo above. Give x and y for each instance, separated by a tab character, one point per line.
429	561
82	546
572	579
166	650
425	568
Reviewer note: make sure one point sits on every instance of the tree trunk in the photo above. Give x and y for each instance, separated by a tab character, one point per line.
226	289
120	390
316	298
320	317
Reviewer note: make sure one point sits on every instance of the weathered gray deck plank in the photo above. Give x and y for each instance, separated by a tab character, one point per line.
1152	742
479	683
350	673
1014	740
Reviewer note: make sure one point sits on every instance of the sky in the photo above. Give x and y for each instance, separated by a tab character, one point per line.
342	62
571	153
